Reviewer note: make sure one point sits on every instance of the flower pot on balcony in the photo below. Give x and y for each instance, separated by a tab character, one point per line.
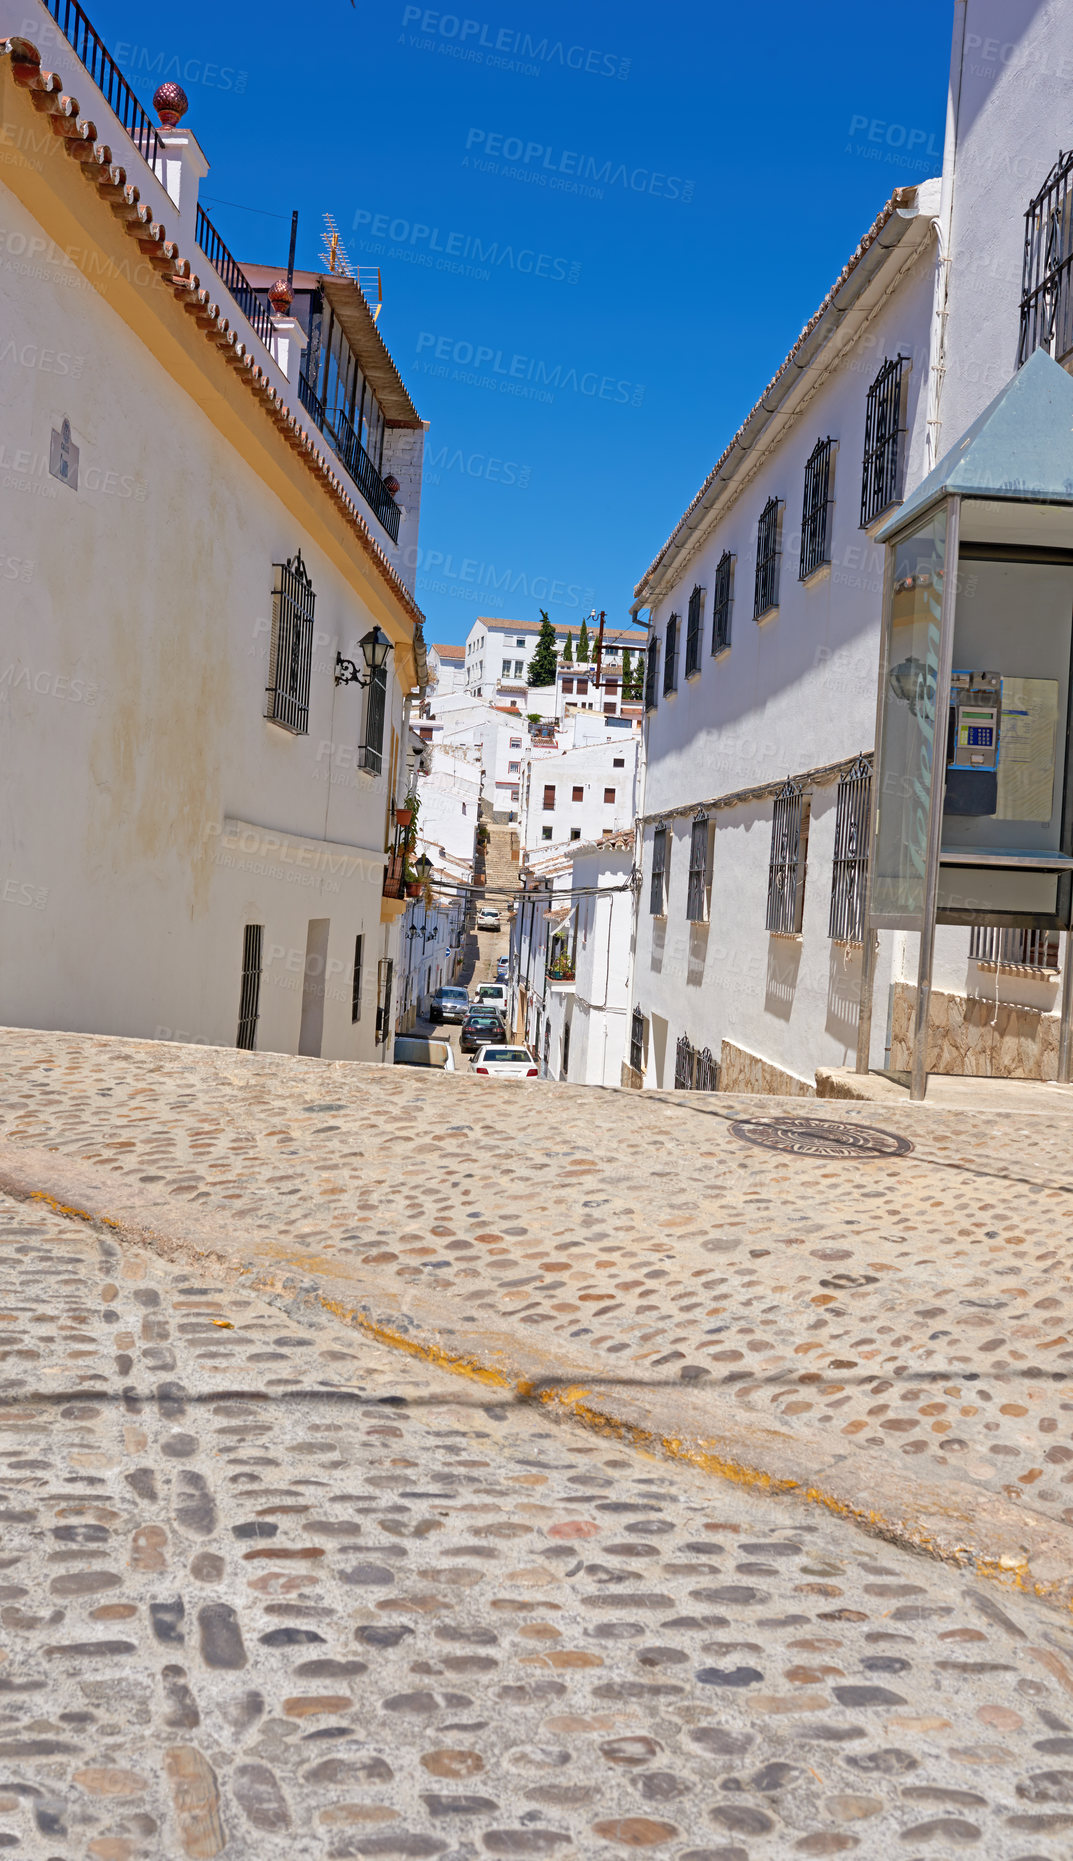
404	816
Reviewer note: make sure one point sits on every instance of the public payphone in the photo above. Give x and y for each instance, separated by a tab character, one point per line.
973	740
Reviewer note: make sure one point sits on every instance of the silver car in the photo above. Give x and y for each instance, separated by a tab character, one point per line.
450	1003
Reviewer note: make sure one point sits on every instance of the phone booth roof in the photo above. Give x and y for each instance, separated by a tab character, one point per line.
1019	449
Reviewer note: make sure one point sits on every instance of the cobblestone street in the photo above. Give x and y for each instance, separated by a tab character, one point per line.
272	1589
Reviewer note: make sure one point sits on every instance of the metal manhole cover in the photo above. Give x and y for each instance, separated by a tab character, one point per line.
820	1137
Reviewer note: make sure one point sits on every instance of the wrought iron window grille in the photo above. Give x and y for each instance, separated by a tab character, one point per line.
1047	274
372	750
1019	948
768	555
658	893
230	273
291	656
694	617
651	675
637	1041
249	1001
815	509
884	440
697	898
695	1069
104	71
670	655
355	997
383	1012
849	872
721	602
786	868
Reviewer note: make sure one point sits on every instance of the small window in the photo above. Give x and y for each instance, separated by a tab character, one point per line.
609	795
884	437
385	975
582	687
693	626
610	684
291	654
577	793
519	642
355	993
516	743
786	867
815	510
519	668
372	752
514	768
724	585
249	1000
506	668
637	1041
618	762
514	794
850	869
768	552
545	833
697	899
609	710
658	897
549	794
568	684
651	674
575	833
670	656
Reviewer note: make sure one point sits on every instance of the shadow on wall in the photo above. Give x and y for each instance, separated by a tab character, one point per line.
659	942
844	992
783	963
659	1048
698	952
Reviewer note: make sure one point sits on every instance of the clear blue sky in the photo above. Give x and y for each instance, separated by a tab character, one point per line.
740	151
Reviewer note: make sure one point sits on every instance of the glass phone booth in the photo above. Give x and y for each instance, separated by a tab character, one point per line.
973	801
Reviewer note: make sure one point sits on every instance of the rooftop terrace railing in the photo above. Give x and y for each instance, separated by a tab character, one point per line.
230	273
104	71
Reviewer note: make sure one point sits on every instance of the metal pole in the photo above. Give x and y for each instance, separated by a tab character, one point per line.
294	242
1065	1042
871	940
919	1082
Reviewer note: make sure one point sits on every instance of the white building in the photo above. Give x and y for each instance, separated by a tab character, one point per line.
570	960
446	669
498	652
583	789
196	805
764	609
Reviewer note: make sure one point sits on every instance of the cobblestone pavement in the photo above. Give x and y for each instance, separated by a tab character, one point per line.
918	1306
269	1589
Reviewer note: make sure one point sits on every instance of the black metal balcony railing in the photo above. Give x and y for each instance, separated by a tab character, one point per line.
230	273
107	76
345	443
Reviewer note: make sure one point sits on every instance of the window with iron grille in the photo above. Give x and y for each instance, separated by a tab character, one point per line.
786	869
291	654
651	674
693	620
768	552
697	901
884	439
670	656
637	1041
850	871
372	752
658	897
566	1050
815	509
1047	277
249	1000
1021	948
355	996
724	588
684	1057
385	978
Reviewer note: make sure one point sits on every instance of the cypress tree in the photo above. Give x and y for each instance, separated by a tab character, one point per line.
627	675
568	650
542	666
583	646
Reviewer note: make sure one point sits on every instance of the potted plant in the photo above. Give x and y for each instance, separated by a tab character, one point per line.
407	810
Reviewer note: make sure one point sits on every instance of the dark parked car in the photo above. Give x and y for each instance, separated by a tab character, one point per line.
480	1026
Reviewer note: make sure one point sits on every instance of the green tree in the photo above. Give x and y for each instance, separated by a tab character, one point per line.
543	664
568	650
583	646
627	675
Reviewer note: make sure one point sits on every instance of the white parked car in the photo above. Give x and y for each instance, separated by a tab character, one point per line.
493	995
488	918
506	1063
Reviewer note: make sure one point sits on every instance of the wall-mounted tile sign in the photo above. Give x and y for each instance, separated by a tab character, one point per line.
63	456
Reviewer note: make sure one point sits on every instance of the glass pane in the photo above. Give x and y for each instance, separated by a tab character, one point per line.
908	746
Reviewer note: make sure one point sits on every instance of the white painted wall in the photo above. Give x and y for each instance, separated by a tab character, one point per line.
592	768
599	1033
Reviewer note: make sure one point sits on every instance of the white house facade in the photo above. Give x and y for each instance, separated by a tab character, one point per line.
208	665
764	613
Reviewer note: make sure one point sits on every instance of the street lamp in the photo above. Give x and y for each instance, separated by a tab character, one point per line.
423	868
375	647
